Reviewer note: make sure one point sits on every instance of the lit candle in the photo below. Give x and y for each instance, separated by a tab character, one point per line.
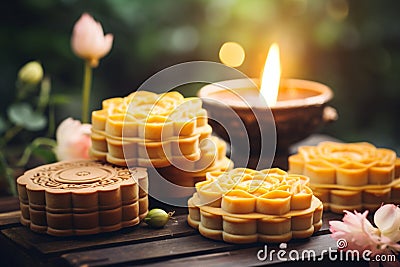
296	109
271	76
256	93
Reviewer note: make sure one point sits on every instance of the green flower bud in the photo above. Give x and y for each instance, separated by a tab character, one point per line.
31	73
157	218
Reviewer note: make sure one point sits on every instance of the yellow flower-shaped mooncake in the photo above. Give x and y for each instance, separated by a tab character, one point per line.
349	176
149	129
245	206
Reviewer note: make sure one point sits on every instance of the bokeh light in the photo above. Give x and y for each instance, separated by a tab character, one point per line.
232	54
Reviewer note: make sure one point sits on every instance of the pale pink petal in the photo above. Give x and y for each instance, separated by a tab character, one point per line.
107	44
86	128
341	235
73	140
337	226
88	40
357	231
387	218
82	35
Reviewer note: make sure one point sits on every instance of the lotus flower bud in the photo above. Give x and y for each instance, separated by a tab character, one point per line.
88	40
31	73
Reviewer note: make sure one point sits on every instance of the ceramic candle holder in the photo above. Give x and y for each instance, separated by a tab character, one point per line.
301	109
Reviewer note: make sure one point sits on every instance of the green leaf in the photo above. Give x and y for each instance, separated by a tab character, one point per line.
18	112
45	154
23	115
36	122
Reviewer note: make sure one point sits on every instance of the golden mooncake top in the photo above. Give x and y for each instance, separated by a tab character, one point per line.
148	129
339	153
269	191
352	164
142	110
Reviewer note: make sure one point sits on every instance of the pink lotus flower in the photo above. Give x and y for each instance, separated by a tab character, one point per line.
361	235
73	140
88	40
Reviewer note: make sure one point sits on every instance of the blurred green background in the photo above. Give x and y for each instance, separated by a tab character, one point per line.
352	46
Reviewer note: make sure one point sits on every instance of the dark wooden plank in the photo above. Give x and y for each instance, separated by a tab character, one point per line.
46	244
9	219
150	251
182	247
248	256
49	244
11	254
199	251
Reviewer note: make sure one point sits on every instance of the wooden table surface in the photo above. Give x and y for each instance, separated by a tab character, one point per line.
177	244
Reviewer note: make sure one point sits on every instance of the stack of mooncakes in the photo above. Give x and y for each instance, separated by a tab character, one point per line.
165	131
82	197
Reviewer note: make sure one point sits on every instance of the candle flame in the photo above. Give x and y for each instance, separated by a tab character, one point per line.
271	76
